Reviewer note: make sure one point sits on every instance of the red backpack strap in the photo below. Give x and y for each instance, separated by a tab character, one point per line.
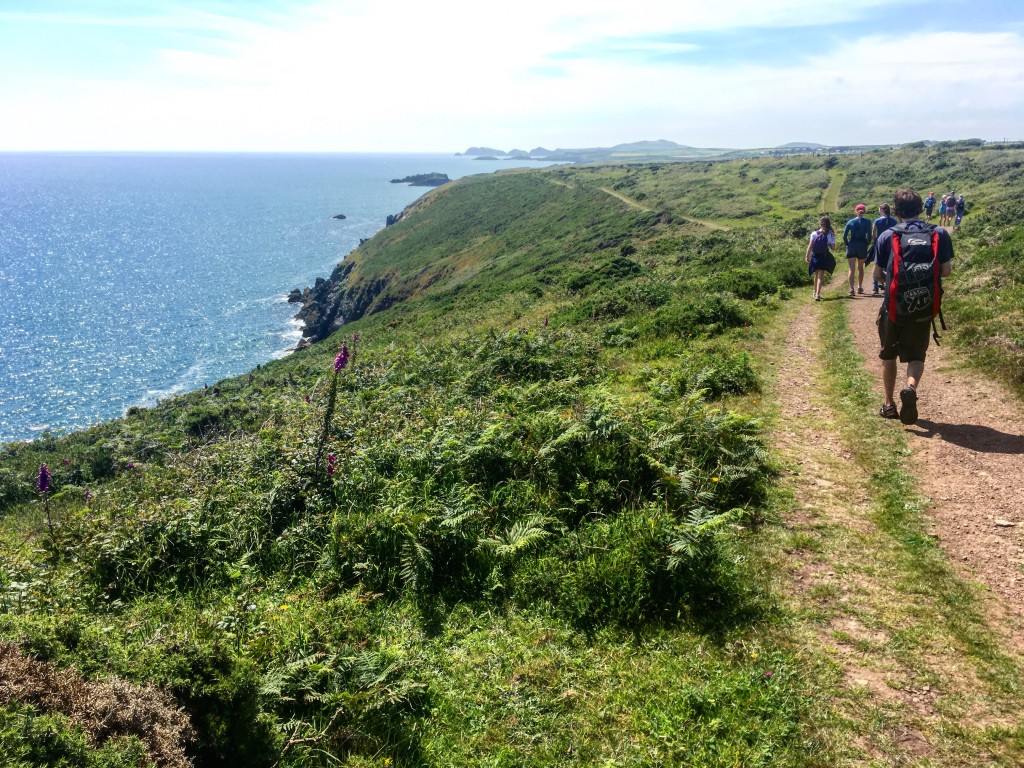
897	262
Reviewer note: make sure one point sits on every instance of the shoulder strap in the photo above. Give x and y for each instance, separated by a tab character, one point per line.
897	261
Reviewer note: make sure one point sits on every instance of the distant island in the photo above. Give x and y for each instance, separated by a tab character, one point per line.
424	180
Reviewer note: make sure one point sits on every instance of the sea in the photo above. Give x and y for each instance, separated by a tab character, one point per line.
128	278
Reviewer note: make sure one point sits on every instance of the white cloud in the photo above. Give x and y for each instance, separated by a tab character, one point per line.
362	76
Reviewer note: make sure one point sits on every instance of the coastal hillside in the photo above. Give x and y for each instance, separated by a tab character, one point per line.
524	501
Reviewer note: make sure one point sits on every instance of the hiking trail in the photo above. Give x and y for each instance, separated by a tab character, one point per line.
830	197
642	207
966	453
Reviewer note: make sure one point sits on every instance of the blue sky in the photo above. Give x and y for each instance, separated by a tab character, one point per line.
372	76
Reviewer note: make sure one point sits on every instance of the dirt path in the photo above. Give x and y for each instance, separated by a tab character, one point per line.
844	574
626	200
642	207
968	454
967	451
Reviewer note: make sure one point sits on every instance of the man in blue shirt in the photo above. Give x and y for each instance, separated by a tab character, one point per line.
883	222
856	235
908	341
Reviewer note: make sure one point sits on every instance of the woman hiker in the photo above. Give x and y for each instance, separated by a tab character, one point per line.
819	256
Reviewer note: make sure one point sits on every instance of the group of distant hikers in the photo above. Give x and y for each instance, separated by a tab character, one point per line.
910	257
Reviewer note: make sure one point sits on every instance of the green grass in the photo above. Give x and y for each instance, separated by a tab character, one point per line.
547	537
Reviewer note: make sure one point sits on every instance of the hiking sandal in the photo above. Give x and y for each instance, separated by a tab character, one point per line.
888	412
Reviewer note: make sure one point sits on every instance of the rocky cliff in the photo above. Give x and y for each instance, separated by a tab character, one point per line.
333	301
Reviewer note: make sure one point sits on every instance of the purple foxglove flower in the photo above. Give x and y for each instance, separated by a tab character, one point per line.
43	484
88	494
330	464
342	359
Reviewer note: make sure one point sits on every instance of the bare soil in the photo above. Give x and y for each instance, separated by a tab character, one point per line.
968	455
967	452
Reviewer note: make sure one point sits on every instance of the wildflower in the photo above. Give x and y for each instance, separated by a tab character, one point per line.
43	484
330	464
754	655
66	461
88	495
768	674
308	399
129	466
342	359
714	479
355	338
284	606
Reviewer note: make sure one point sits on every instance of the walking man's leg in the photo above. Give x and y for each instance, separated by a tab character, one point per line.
889	381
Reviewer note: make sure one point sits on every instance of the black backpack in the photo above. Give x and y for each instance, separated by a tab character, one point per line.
915	283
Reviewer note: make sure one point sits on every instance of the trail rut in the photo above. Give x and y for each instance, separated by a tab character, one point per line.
967	452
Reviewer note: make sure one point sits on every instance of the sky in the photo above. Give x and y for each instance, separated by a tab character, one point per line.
445	75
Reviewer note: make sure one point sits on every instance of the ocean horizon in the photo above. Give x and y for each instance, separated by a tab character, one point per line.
131	277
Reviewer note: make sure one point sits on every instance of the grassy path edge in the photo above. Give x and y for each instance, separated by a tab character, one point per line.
910	671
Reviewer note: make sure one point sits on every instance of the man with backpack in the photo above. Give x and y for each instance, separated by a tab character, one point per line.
911	259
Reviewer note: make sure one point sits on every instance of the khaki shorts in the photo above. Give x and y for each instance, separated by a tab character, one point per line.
908	342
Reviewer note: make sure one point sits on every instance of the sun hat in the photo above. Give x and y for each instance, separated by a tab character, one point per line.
860	207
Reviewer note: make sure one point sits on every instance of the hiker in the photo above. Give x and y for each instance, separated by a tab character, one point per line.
949	204
961	209
929	206
878	226
856	235
942	211
913	291
819	254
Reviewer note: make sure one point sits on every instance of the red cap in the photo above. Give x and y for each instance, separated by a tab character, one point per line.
860	207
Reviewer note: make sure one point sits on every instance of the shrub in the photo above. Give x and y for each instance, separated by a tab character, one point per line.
715	372
635	568
696	317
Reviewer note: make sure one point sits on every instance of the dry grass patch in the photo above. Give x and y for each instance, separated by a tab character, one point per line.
104	709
